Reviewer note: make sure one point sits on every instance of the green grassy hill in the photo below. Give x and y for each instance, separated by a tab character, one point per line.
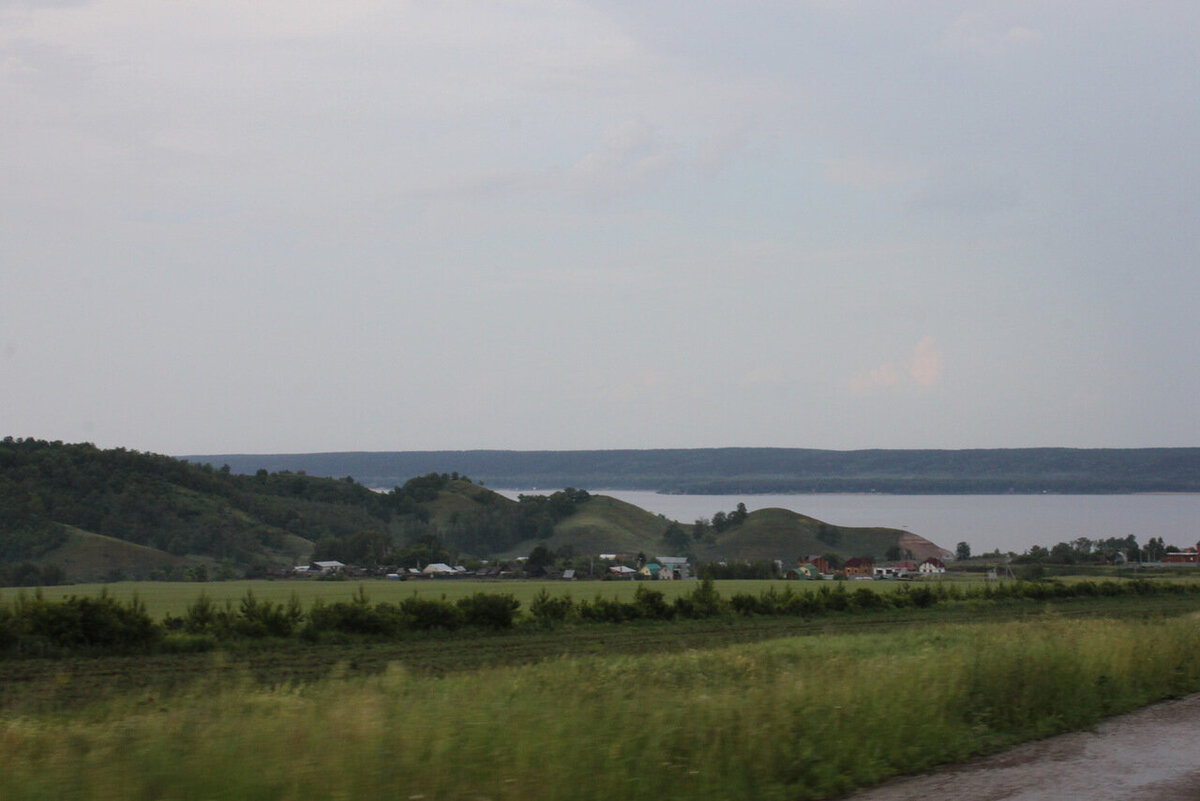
607	525
787	535
94	557
603	525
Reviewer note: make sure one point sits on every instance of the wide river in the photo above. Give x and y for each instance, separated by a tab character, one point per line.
985	522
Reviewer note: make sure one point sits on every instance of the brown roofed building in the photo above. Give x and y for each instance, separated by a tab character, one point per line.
859	566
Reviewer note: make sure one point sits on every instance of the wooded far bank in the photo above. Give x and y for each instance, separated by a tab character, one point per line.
765	470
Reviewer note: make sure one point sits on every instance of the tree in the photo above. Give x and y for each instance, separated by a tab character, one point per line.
676	539
1062	554
963	551
1155	549
539	557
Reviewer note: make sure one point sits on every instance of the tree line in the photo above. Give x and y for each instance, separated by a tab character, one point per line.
34	626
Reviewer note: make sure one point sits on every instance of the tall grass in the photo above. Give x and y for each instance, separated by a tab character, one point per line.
800	718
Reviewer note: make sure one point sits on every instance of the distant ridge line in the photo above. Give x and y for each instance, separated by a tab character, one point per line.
760	470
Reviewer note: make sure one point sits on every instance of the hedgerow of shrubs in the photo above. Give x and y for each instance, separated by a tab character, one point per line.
35	626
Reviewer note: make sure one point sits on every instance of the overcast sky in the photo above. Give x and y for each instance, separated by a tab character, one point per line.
231	226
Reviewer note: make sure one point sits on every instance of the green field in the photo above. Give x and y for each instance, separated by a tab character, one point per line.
163	598
172	598
785	718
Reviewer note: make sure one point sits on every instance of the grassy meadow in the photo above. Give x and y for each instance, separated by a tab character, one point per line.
794	718
173	597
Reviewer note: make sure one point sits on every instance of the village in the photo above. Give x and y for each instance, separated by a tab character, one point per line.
627	567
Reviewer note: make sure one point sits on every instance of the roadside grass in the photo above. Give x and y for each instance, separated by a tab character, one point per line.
795	718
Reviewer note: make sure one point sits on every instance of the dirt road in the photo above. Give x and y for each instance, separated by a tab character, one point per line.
1151	755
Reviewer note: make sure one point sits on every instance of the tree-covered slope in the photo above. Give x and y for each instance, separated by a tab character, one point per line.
69	504
50	489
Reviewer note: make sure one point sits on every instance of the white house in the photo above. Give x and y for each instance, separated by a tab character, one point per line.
931	566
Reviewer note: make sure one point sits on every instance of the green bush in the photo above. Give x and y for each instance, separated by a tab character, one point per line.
356	617
268	619
606	610
702	602
651	605
547	608
80	624
866	598
429	614
203	616
488	611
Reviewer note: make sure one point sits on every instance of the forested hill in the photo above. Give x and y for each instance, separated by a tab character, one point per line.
759	470
56	497
92	512
78	513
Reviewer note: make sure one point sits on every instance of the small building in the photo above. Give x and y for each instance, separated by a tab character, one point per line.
931	566
804	572
621	571
327	568
674	567
859	566
438	569
1182	558
817	561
